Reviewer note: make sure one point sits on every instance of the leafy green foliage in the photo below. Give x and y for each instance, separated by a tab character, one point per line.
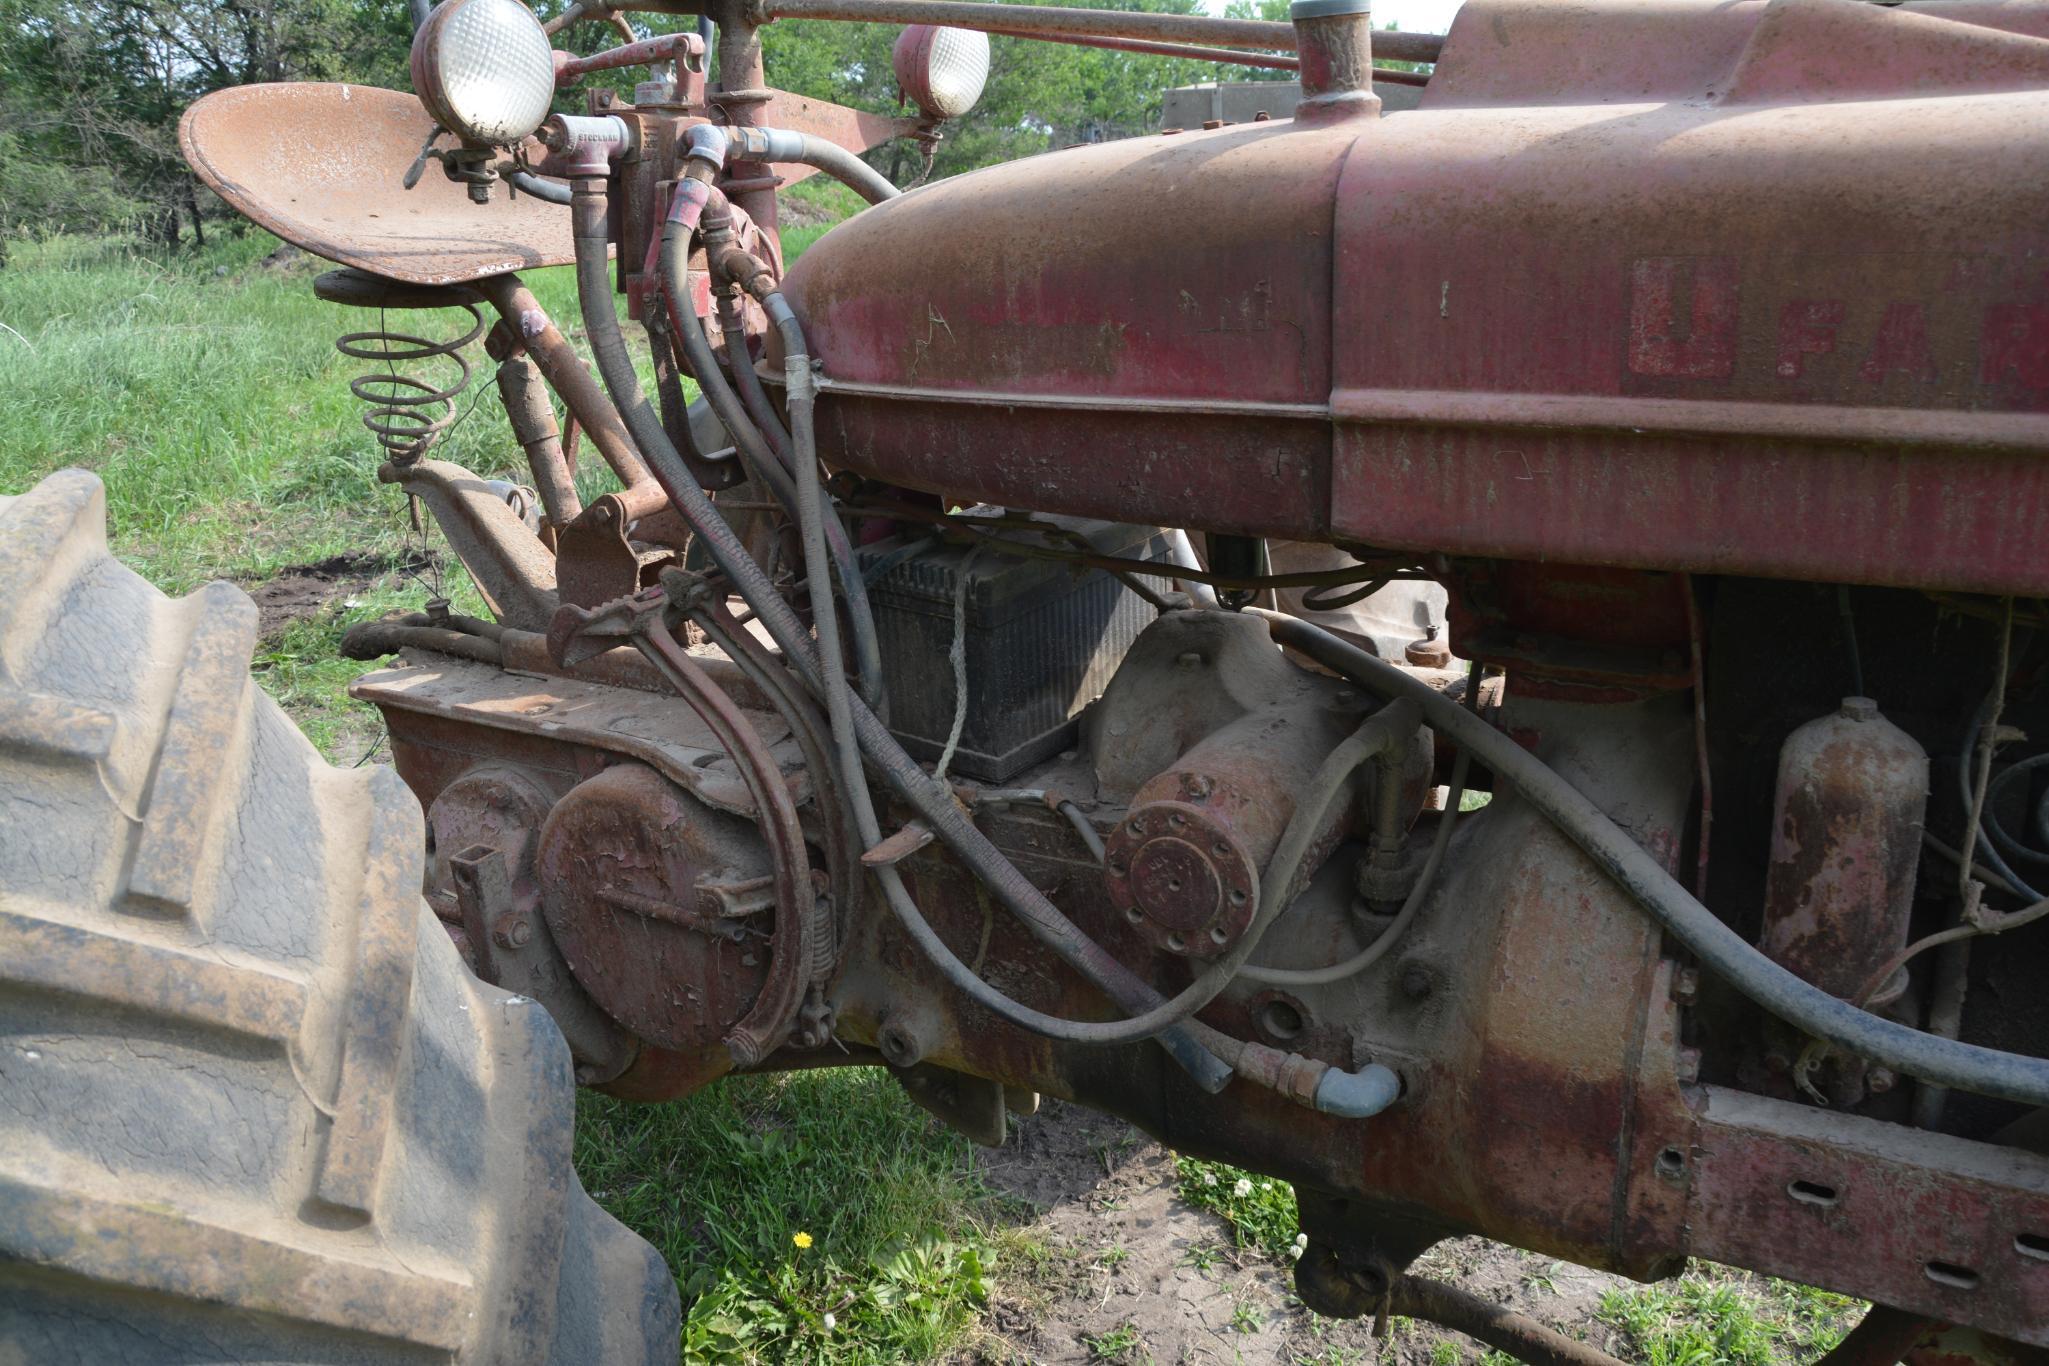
1260	1210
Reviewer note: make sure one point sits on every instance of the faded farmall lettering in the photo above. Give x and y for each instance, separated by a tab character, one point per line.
1965	332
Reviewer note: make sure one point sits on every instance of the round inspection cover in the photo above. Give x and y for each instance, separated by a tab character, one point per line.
628	865
1187	884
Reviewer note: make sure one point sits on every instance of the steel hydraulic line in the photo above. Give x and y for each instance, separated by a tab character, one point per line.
1035	20
1010	886
1946	1062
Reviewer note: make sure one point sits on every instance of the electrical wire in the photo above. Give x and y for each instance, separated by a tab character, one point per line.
1946	1062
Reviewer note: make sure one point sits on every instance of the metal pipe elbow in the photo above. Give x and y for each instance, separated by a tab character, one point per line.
1357	1095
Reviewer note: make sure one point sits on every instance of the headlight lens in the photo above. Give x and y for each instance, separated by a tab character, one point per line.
484	69
941	70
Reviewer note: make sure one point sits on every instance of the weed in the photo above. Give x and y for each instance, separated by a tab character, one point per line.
1443	1353
1245	1318
1260	1210
1121	1343
1715	1317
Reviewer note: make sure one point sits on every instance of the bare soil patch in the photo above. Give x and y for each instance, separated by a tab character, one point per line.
305	590
1135	1274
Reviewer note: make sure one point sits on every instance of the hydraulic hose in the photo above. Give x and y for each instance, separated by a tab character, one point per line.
762	462
608	347
802	149
732	322
1392	935
1381	732
1946	1062
526	182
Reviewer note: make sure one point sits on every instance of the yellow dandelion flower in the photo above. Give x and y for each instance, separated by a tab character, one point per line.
801	1239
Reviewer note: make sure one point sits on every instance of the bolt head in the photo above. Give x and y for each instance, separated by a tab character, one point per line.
1415	982
1879	1080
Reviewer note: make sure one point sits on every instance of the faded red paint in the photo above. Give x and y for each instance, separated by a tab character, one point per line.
1700	321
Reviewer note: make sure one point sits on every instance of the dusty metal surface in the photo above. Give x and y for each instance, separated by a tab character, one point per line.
319	165
658	905
512	569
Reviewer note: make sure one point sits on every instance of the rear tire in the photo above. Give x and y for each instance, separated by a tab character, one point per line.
251	1104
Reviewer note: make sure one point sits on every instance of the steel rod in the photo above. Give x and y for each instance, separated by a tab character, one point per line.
1037	21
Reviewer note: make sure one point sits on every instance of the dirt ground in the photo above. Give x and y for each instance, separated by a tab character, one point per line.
1137	1275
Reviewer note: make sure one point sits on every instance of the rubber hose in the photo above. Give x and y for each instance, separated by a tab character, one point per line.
983	859
1946	1062
802	149
526	182
1381	731
1392	935
763	463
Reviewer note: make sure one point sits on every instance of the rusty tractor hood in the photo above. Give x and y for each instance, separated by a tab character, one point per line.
1756	288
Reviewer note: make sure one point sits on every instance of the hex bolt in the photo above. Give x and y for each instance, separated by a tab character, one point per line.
513	931
1196	785
1879	1080
1415	982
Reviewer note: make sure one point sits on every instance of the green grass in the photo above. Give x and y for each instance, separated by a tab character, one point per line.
900	1229
1720	1317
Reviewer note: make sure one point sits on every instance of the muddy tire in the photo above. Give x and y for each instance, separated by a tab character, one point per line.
252	1107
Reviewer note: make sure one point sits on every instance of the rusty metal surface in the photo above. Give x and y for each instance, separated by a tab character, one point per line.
632	870
561	716
1027	20
319	165
512	569
1682	392
1925	1222
567	375
1846	841
1209	736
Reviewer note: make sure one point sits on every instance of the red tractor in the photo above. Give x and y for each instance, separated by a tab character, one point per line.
1050	660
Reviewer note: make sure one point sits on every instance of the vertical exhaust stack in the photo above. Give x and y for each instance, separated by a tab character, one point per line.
1334	40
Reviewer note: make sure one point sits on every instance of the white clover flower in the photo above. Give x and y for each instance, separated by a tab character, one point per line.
1301	1240
1242	1189
1295	1252
830	1322
1209	1178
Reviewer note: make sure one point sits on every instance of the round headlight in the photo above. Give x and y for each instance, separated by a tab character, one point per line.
941	70
484	69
